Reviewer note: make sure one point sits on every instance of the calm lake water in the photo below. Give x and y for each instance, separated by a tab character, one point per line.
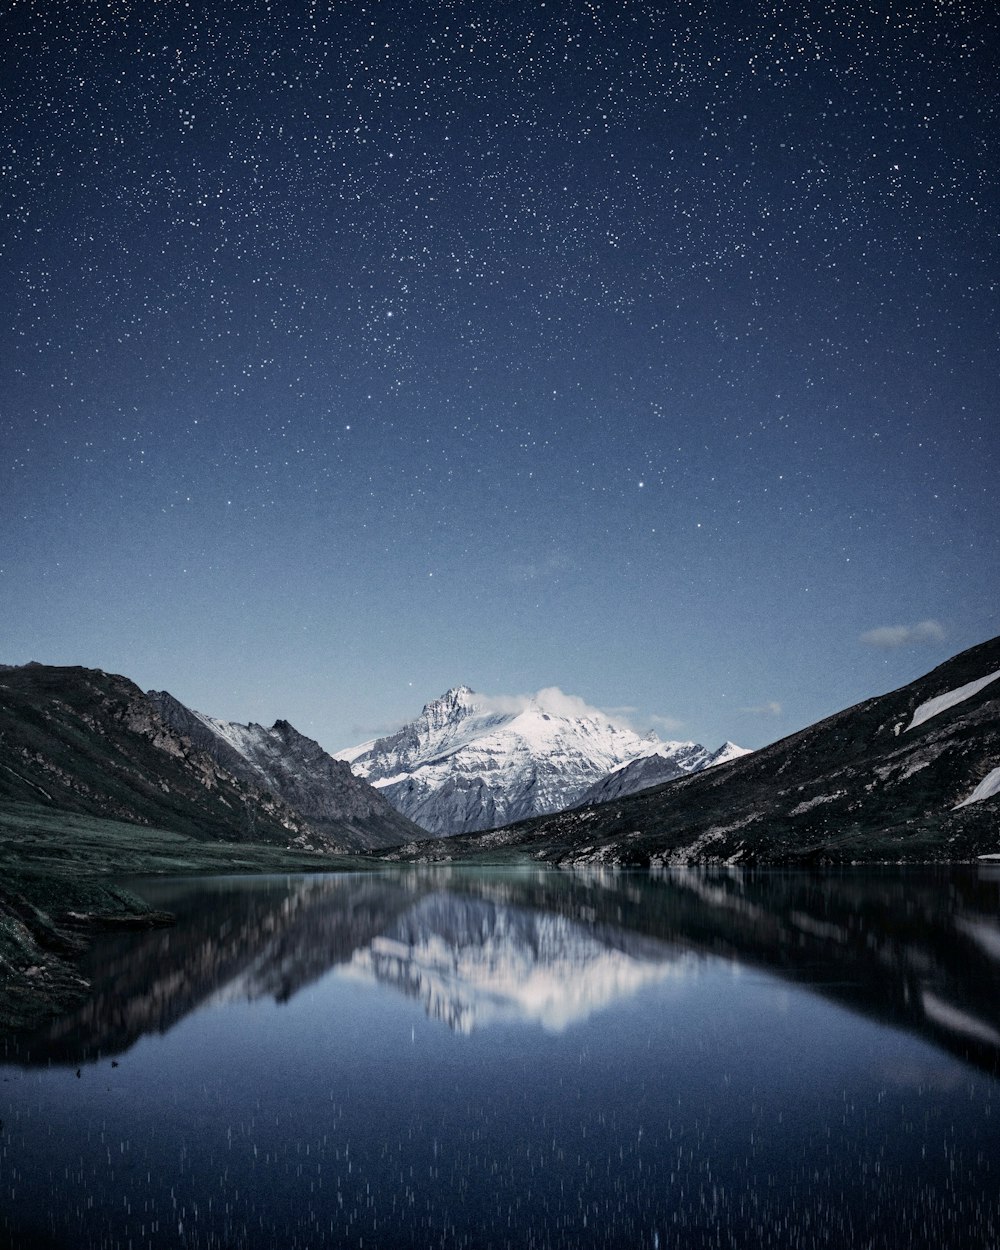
457	1058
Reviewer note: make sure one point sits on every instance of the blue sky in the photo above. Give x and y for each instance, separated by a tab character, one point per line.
644	351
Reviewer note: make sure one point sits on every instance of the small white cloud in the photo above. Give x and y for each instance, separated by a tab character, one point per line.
773	708
928	631
557	703
890	636
669	723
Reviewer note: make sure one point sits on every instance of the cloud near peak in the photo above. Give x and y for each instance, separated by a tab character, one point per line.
890	636
558	703
554	701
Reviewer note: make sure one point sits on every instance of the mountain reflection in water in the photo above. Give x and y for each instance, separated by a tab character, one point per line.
914	949
473	961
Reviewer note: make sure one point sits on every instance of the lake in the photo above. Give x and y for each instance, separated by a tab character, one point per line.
448	1057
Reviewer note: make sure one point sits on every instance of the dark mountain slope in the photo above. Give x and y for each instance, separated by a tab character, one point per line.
862	785
653	770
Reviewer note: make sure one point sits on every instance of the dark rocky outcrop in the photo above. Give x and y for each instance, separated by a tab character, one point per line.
653	770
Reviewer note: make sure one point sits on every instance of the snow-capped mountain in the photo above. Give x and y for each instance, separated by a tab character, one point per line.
469	763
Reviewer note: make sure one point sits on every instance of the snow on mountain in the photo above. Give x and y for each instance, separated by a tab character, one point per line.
986	789
728	751
942	702
658	767
469	763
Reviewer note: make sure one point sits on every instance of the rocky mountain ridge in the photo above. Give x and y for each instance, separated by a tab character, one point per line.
654	770
297	769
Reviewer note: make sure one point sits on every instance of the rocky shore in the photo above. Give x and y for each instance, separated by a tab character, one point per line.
45	924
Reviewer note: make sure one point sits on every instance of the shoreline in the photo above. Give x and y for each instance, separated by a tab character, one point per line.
58	890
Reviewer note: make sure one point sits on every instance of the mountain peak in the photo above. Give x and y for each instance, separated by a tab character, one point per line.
457	694
454	703
728	751
469	763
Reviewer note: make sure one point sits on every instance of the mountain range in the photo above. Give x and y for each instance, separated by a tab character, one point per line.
913	775
89	742
466	764
98	778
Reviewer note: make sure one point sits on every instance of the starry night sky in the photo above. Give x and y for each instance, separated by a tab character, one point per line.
354	351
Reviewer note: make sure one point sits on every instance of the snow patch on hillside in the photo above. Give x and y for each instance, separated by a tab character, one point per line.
809	804
942	702
989	786
958	1021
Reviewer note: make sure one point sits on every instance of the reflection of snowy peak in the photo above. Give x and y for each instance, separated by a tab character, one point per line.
473	963
465	765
